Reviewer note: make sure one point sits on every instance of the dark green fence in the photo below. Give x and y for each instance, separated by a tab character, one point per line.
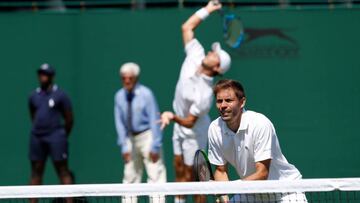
301	69
89	4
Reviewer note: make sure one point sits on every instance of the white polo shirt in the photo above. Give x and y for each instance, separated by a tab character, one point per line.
254	141
193	92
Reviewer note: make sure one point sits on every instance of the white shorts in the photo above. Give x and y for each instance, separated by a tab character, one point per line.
187	146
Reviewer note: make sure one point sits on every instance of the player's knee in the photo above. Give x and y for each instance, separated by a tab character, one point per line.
179	167
189	173
64	173
178	161
36	177
37	173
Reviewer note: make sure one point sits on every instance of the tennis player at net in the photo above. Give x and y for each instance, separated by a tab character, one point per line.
193	96
247	140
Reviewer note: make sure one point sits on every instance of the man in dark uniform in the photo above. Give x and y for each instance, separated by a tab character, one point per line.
52	121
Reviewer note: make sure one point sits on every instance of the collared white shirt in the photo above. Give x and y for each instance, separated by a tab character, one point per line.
193	91
145	116
254	141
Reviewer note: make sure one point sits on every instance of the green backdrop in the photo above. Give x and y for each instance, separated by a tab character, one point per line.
301	69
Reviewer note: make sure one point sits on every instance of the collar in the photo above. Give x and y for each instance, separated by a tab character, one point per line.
53	89
244	122
136	89
206	78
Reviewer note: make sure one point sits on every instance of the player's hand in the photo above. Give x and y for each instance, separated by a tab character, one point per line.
213	5
126	157
222	199
154	156
166	118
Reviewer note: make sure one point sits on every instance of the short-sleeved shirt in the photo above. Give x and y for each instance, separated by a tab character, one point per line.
254	141
48	107
193	91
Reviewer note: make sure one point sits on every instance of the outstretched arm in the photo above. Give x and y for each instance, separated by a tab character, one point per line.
262	169
189	26
221	173
187	122
168	116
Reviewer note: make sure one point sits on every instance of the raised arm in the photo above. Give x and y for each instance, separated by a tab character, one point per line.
190	25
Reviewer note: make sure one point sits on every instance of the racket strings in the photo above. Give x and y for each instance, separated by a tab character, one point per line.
202	168
233	31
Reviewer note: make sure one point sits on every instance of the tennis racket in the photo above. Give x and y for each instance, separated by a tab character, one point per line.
202	167
233	29
203	172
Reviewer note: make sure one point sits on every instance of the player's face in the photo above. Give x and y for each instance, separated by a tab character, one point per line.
228	104
44	80
129	81
212	60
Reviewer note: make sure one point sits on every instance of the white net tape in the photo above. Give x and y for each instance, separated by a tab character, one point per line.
171	189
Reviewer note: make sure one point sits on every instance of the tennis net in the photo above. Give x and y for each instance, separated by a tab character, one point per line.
306	190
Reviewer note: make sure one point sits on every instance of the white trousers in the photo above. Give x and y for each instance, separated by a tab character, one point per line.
140	146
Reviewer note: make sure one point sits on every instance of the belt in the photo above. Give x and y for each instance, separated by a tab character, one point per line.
139	132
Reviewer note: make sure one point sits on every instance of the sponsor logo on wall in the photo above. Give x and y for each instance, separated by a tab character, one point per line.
268	43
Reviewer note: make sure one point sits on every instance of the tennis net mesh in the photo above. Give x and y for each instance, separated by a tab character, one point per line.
306	190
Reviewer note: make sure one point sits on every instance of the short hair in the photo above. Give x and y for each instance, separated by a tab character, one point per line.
233	84
131	68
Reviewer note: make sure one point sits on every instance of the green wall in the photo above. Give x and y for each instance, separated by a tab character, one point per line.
308	87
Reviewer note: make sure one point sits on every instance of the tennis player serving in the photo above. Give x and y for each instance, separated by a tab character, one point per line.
193	96
247	140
